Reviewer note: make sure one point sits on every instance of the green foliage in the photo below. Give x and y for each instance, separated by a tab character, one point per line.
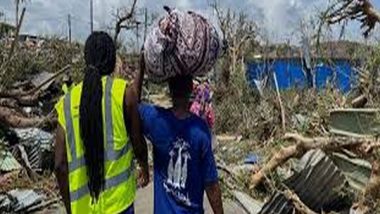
233	107
5	29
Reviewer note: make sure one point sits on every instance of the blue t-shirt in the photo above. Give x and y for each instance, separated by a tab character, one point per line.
183	159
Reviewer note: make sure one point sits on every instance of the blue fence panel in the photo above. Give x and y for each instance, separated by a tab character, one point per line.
345	77
290	74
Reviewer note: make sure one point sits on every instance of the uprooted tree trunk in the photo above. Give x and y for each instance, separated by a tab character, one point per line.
14	119
360	146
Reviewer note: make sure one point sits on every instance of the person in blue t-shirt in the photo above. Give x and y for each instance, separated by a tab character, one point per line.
184	165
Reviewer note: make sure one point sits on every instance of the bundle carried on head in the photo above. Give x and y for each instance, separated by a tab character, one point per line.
181	43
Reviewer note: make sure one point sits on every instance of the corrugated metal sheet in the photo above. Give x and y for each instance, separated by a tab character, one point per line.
18	201
319	185
35	156
355	122
278	204
8	162
36	142
25	199
357	171
34	135
250	205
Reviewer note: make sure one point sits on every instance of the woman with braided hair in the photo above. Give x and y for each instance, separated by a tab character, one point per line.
97	137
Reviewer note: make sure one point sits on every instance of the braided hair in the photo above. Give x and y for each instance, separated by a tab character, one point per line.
100	58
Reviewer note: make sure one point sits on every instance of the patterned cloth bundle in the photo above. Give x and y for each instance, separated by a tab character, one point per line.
181	43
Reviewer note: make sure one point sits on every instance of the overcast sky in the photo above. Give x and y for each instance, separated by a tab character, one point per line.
277	18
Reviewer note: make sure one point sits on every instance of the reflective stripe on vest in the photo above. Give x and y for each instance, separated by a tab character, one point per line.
111	154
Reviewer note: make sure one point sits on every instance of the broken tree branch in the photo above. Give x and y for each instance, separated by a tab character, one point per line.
280	102
360	10
11	118
298	204
9	103
360	146
360	101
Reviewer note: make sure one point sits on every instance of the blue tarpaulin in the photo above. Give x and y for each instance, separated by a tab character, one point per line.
290	73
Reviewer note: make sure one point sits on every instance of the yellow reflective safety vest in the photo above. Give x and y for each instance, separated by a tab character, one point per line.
120	179
65	88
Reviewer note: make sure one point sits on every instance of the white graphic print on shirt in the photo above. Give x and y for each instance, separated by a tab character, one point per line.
175	183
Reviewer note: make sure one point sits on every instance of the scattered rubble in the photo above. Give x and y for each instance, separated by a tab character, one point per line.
320	185
24	201
250	205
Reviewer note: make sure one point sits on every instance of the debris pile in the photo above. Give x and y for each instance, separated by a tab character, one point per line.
334	173
25	173
24	201
31	83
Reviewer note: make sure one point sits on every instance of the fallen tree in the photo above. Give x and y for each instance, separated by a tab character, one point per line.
14	119
12	101
364	147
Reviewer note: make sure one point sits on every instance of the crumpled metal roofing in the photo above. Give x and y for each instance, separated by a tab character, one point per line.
36	142
318	185
16	201
34	135
42	77
250	205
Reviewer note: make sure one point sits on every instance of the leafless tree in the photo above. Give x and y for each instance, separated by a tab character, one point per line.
125	19
238	30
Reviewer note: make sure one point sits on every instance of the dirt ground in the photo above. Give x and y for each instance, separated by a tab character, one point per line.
144	203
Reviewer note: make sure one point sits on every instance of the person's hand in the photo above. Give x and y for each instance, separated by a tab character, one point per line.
143	177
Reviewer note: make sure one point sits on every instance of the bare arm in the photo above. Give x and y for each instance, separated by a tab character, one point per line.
61	168
214	195
133	125
139	78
